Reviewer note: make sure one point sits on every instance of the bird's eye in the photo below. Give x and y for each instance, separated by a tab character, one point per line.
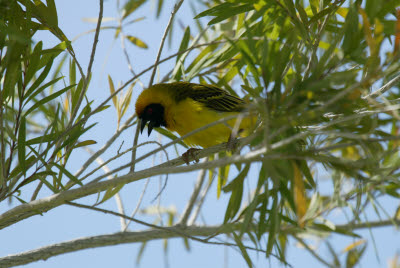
149	111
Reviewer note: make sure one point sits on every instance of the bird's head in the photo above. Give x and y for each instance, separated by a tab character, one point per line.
154	115
153	107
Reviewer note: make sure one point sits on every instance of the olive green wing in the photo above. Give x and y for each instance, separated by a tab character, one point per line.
215	98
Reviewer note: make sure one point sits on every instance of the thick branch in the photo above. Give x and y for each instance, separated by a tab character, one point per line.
24	211
46	252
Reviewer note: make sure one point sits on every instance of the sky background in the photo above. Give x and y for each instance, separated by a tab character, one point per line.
67	223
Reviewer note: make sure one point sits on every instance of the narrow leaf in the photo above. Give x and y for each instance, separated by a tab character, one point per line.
47	99
136	41
21	143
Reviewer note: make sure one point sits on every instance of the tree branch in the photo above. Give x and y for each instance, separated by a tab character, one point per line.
89	69
26	210
193	197
46	252
384	88
171	18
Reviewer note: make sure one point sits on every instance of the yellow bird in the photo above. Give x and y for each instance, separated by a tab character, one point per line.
183	107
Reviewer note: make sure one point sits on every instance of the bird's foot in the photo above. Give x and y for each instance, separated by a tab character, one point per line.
233	143
190	154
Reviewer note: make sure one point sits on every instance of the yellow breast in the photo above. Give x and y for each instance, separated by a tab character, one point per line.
189	115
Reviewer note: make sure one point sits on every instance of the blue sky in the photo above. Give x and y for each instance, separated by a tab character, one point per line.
66	223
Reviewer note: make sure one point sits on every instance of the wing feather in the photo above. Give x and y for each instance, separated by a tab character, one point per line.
215	98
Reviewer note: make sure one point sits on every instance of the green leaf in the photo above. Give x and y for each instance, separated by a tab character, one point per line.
40	79
220	9
185	41
179	68
225	11
18	169
159	8
140	253
126	100
262	226
273	223
223	173
136	41
234	203
68	174
45	138
52	13
110	193
74	135
33	62
248	217
12	75
50	54
37	175
354	256
242	249
21	143
112	91
351	30
100	109
130	6
75	94
226	14
85	143
39	90
302	13
72	72
237	181
47	99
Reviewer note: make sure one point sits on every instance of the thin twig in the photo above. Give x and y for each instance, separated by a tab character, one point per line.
384	88
312	252
138	203
135	142
167	28
106	146
89	69
118	155
371	224
313	59
189	207
117	196
2	144
200	203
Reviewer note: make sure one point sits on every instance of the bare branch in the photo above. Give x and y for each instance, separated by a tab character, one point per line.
200	203
46	252
193	198
118	198
312	252
89	70
42	205
384	88
138	203
171	18
106	146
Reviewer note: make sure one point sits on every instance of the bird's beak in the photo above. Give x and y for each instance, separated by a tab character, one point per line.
142	124
150	127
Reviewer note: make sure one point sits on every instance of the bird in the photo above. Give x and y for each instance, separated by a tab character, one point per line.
183	107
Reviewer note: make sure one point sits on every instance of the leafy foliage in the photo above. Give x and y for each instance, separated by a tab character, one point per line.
323	77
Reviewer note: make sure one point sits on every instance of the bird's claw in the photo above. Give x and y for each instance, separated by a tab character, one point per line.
190	154
232	144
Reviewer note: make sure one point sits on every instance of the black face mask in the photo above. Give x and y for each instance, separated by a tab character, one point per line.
154	114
